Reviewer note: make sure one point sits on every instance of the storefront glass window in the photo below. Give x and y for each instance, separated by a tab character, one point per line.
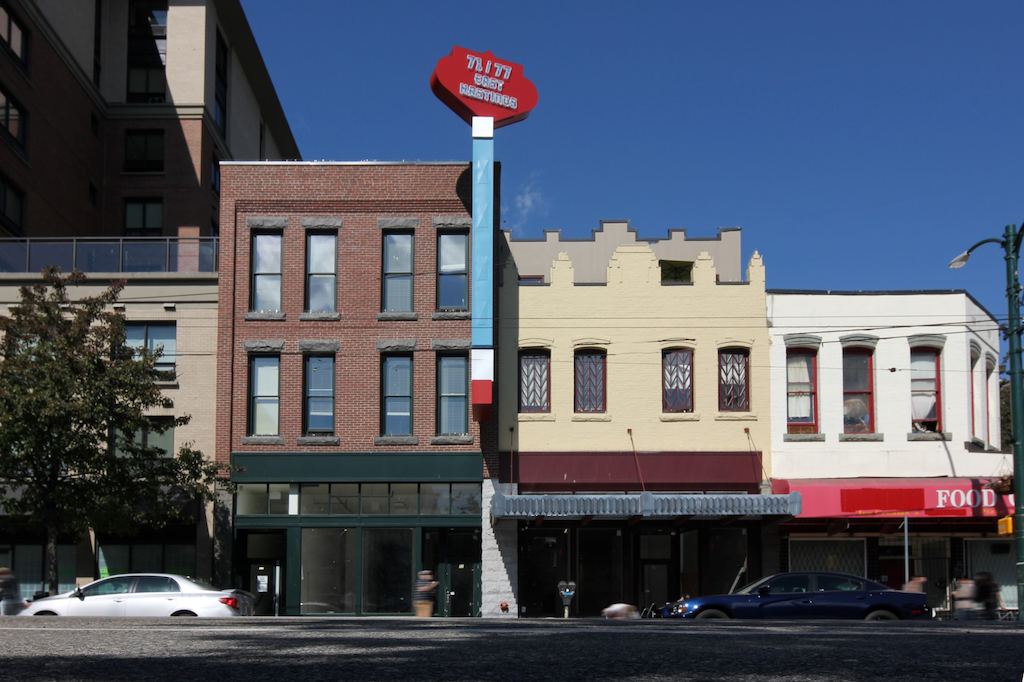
435	498
387	570
328	570
374	499
314	498
466	498
252	498
403	498
344	498
278	498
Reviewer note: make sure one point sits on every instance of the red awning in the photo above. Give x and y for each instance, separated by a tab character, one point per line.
879	497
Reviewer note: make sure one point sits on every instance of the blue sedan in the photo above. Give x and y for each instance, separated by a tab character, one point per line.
806	595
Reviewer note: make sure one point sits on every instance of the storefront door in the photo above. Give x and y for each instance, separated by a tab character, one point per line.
460	599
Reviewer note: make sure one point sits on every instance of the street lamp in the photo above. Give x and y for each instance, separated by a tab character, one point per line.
1011	245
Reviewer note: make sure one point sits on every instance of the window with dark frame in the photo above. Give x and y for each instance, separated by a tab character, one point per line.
147	51
801	391
12	207
321	272
733	380
159	436
144	151
220	95
677	380
12	120
452	271
155	336
143	217
264	395
925	390
858	402
534	381
319	396
452	395
398	272
215	175
13	35
266	272
590	390
396	395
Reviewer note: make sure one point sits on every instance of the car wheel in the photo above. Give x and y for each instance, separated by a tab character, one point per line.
46	613
183	614
881	615
712	613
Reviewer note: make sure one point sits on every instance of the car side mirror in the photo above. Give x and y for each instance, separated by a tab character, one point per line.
79	593
764	590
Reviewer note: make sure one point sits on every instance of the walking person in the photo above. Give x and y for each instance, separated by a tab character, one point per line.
964	604
986	595
11	603
426	594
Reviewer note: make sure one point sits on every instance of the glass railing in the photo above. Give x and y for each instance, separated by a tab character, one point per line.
110	254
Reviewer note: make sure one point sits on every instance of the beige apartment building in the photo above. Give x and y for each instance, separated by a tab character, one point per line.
634	422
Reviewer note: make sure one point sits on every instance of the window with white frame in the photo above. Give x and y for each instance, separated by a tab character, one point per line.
925	391
264	395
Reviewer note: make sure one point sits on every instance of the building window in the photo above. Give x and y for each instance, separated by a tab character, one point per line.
266	272
534	381
589	381
396	395
677	380
733	380
12	120
144	151
154	337
160	437
452	395
13	35
147	51
321	266
801	391
220	105
143	217
398	259
215	175
12	207
319	409
858	406
452	271
925	391
991	408
264	395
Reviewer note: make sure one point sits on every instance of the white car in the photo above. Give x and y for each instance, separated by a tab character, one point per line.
145	594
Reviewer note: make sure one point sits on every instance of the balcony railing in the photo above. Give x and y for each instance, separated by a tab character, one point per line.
110	254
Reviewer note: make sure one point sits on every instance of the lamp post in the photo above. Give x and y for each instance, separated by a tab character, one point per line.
1011	245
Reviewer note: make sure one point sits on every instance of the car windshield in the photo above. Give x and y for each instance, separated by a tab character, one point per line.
752	587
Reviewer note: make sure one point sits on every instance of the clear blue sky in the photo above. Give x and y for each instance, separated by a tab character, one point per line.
859	145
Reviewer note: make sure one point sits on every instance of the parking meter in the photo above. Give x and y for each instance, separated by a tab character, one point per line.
566	590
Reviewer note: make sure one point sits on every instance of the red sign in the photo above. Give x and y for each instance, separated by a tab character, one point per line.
913	497
478	84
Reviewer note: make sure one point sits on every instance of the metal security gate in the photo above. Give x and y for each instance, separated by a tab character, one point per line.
828	554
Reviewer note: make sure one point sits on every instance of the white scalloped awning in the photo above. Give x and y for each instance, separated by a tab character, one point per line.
651	505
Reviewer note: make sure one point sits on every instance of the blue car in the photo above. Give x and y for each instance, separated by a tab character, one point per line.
806	595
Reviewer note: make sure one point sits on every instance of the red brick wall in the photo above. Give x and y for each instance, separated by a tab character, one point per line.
359	194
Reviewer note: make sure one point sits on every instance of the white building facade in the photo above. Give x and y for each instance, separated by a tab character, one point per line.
885	412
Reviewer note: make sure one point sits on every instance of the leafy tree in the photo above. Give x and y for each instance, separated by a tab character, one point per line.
73	397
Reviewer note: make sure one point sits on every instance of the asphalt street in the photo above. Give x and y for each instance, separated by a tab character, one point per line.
390	649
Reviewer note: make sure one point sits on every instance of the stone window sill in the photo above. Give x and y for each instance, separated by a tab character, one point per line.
452	315
736	416
452	440
264	317
314	317
599	417
262	440
536	416
317	440
396	440
861	437
803	437
929	436
679	416
397	317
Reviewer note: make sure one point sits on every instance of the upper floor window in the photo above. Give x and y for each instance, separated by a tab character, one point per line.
321	266
801	391
12	120
534	381
452	271
143	217
452	395
220	94
147	51
159	436
733	380
396	395
925	391
266	272
589	381
12	207
264	395
677	380
398	272
858	386
215	175
144	151
319	388
160	336
12	33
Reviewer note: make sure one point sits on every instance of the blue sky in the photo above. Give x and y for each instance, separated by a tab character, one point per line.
859	145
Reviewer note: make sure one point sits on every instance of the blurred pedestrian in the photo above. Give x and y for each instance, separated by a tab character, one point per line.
620	611
915	584
986	594
426	594
11	603
964	604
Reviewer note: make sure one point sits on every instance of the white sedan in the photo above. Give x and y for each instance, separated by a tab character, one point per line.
145	594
